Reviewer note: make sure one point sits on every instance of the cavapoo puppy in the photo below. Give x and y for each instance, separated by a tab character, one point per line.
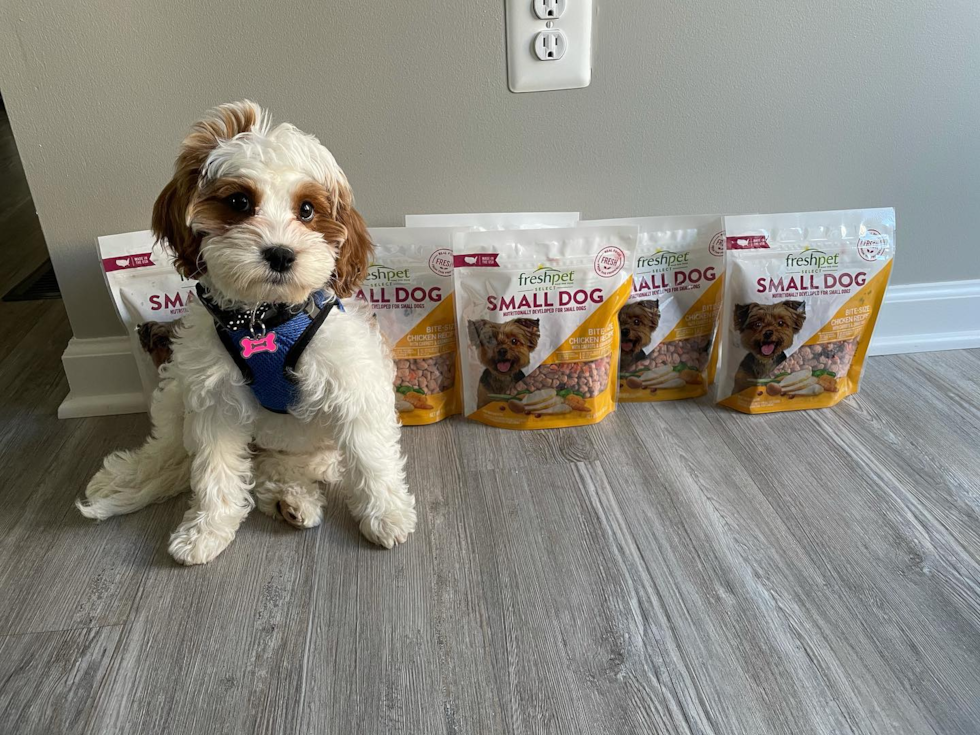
766	331
272	387
637	323
504	350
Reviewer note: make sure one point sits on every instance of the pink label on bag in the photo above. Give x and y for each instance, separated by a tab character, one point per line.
477	260
124	262
747	242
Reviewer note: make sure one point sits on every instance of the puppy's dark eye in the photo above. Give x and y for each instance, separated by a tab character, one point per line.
239	202
514	341
781	323
636	322
306	211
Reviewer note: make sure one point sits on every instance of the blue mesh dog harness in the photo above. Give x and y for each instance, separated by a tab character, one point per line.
267	342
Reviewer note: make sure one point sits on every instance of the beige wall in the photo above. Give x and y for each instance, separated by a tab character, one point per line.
718	105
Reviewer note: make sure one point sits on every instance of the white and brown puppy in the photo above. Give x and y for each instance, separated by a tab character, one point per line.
263	215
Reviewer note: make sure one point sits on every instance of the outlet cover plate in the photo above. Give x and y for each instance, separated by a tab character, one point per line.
525	71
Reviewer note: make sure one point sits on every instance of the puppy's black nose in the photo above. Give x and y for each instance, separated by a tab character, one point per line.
501	353
279	258
768	335
626	333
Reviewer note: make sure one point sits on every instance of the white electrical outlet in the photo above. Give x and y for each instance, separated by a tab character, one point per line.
550	45
548	9
545	51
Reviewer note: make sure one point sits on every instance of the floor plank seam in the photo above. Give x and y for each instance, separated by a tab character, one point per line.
632	549
109	671
54	631
134	607
311	620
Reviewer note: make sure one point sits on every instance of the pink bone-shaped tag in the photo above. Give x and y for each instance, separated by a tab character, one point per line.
253	346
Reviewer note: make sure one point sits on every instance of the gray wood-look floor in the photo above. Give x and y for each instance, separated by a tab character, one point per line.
676	569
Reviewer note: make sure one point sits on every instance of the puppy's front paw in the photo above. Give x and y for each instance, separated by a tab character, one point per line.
392	524
196	543
300	506
300	512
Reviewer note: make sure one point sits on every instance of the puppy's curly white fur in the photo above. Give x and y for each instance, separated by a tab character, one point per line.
240	189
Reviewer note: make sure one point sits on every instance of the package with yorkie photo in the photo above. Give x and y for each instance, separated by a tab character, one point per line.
668	325
802	294
536	314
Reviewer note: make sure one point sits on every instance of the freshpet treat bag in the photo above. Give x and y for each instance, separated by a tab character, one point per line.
410	287
667	327
494	221
144	287
802	294
536	318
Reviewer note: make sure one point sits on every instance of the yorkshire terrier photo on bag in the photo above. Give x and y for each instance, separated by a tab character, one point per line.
638	321
766	331
505	350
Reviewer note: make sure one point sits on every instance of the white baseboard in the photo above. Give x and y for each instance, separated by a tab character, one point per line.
102	378
77	407
924	317
928	317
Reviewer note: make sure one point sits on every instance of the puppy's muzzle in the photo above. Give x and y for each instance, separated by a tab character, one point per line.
279	258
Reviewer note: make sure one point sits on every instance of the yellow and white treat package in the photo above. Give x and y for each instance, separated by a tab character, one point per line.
410	288
802	294
668	325
536	317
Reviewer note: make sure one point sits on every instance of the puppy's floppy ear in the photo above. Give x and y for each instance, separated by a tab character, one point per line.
651	307
172	208
798	311
169	225
532	329
356	251
742	312
478	330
